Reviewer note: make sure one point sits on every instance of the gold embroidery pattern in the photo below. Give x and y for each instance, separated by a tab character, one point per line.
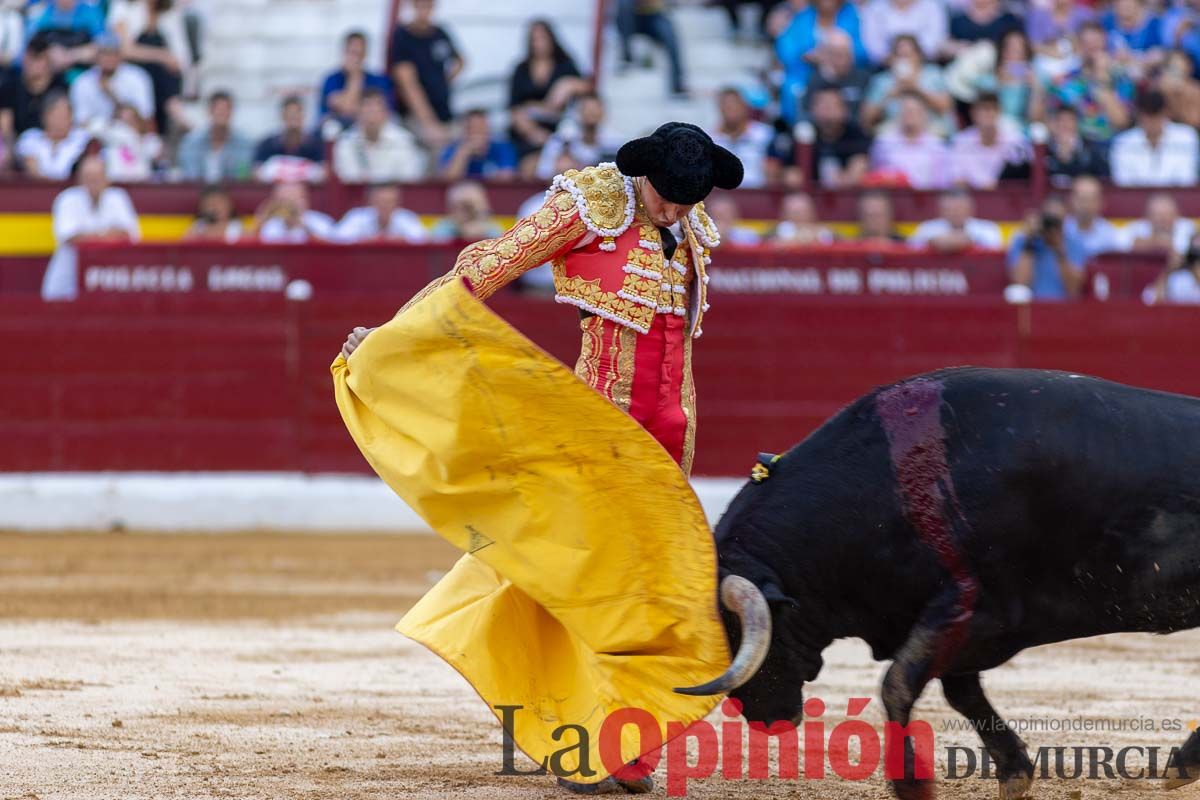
574	290
688	403
625	348
587	367
602	194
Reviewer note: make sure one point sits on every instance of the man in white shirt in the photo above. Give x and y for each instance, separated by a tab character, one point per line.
96	93
747	138
90	210
1086	224
1157	152
50	152
286	218
1162	229
377	149
884	20
957	229
381	218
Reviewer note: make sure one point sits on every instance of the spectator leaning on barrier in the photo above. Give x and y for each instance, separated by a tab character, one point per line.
52	151
747	138
89	210
293	141
798	225
805	43
23	90
286	217
376	149
840	151
1087	223
424	64
342	90
885	20
216	152
215	218
907	73
982	152
1156	152
1044	258
469	215
540	89
381	218
581	142
153	36
957	229
96	93
724	210
1068	154
834	67
1162	229
912	150
876	219
477	154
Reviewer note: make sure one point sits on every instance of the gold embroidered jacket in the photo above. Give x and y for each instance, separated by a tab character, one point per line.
607	255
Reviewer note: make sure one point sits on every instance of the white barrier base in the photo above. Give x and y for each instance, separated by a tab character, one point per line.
229	501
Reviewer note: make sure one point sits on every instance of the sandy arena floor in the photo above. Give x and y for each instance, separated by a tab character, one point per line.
258	666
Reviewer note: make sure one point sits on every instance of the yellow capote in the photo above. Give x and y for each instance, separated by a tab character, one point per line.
589	583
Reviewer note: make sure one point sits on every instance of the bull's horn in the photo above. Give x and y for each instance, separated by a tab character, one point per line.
744	599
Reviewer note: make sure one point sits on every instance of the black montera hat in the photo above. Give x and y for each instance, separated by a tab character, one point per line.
682	163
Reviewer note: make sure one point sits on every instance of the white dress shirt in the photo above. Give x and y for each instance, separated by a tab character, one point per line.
313	225
362	224
76	215
54	159
129	84
981	232
1181	233
1173	163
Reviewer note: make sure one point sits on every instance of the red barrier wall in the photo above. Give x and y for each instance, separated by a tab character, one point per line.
241	382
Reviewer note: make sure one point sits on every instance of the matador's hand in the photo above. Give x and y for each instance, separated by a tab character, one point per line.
354	340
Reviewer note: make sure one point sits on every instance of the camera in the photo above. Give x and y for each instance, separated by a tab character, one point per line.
1049	223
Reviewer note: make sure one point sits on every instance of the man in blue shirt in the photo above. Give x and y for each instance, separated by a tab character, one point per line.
74	21
342	90
1045	257
477	154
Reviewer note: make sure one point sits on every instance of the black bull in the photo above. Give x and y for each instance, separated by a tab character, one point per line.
954	519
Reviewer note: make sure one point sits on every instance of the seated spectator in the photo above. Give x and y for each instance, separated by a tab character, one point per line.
1162	228
424	64
286	218
840	151
1087	223
216	152
215	218
1068	155
912	150
469	217
377	150
1180	282
96	93
580	143
1179	88
747	138
154	36
131	150
342	90
834	67
650	19
980	21
68	27
381	219
798	225
803	44
1156	152
1131	27
907	73
51	151
23	92
723	209
883	21
293	141
1050	24
478	154
957	229
89	210
1181	30
539	91
12	33
876	220
1099	88
983	151
1013	78
1044	258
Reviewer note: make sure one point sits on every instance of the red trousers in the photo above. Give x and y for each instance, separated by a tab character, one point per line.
648	375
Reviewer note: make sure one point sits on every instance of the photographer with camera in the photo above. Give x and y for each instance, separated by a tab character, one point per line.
1044	259
1180	281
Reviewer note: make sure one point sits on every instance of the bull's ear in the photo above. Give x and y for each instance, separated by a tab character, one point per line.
775	596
